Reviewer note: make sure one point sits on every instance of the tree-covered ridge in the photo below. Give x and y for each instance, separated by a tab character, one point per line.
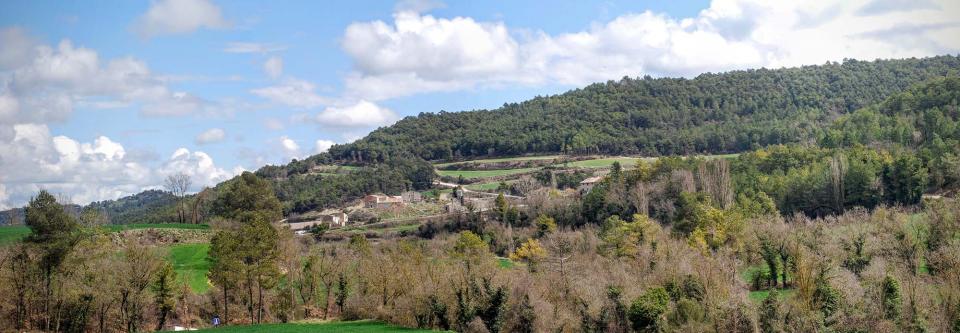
712	113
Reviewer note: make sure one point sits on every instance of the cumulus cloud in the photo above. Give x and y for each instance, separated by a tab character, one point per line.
322	146
290	148
34	159
167	17
361	114
198	165
292	92
212	135
419	53
273	67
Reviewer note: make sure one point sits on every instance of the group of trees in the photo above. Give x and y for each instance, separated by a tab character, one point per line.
73	277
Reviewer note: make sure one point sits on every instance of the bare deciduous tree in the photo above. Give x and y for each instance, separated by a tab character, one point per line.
178	184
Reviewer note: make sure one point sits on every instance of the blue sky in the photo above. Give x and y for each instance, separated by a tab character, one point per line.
100	99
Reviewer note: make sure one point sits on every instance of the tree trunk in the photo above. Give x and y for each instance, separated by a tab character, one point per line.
250	299
46	301
259	302
326	307
225	318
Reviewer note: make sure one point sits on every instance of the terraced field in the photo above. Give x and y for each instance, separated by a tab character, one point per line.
474	174
506	159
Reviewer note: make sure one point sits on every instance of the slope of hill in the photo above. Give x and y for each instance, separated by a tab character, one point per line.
151	206
712	113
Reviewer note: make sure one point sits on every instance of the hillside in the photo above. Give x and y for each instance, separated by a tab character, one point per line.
712	113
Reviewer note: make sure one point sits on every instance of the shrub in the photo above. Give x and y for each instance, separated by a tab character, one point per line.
646	310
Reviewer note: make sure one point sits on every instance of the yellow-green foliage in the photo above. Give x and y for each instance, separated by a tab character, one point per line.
624	239
531	252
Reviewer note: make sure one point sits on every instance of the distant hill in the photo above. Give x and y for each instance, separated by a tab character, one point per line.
712	113
153	206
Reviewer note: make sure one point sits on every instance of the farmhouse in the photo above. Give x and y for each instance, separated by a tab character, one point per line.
382	201
587	184
411	197
333	218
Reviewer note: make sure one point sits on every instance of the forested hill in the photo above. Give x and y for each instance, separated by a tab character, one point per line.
712	113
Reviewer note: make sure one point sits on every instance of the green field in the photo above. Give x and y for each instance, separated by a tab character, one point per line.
10	234
506	159
470	174
190	263
603	162
361	326
484	186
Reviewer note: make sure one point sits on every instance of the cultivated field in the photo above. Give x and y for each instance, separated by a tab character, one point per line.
190	263
505	159
473	174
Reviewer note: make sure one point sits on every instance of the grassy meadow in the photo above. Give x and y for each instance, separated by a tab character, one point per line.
190	263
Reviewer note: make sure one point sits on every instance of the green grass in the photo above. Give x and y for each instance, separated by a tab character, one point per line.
471	174
505	263
190	263
506	159
603	162
760	295
484	186
10	234
361	326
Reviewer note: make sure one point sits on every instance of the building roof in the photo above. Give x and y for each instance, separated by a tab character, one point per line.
591	180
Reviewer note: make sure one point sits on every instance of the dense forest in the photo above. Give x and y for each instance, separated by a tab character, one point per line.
712	113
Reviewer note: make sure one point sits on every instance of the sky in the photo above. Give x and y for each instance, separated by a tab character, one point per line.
102	99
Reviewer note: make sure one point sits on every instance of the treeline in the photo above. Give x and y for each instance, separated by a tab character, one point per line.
712	113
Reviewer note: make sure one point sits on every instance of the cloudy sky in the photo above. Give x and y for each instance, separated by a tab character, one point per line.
100	99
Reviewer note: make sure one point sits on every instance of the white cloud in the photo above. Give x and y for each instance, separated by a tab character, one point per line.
198	165
166	17
290	148
431	48
47	87
17	48
322	146
361	114
248	47
212	135
273	67
419	53
33	159
292	92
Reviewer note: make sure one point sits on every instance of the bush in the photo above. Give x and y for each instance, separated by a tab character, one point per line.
646	310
